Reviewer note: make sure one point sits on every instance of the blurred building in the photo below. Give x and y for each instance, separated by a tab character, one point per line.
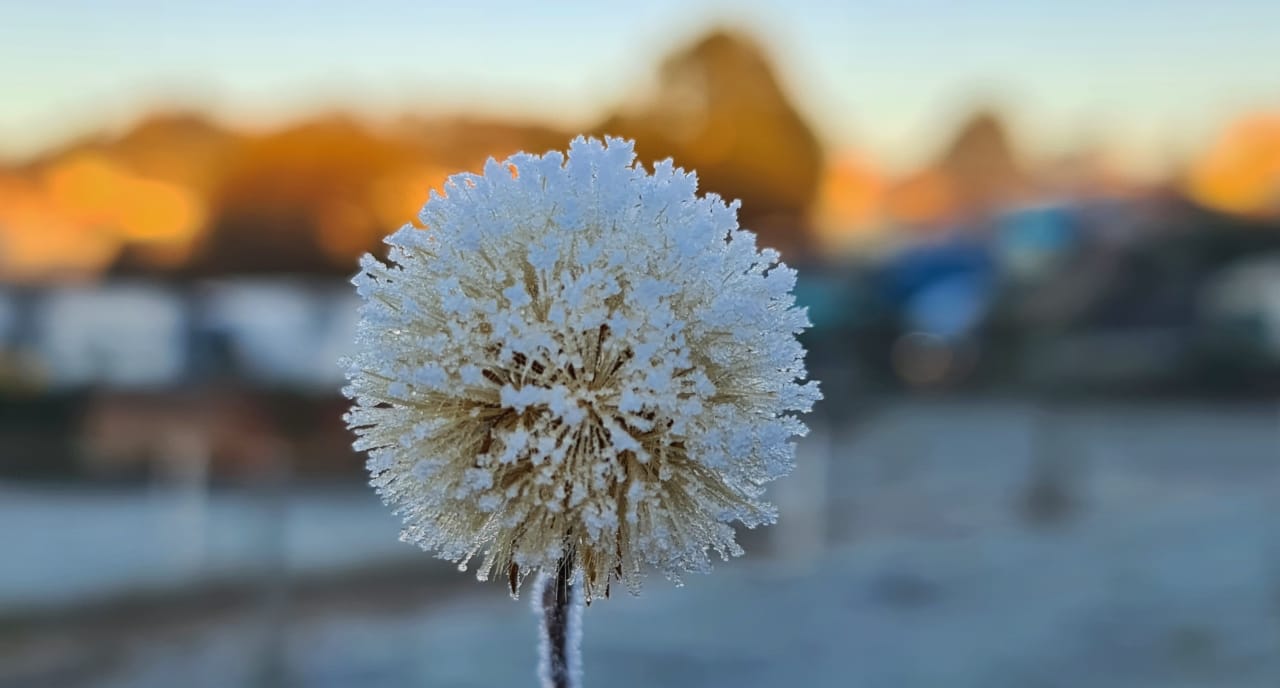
133	373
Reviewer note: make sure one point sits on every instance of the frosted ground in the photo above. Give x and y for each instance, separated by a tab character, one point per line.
975	543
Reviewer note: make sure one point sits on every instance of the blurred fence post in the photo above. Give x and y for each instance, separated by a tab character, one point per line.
800	536
1051	494
183	469
1272	543
275	585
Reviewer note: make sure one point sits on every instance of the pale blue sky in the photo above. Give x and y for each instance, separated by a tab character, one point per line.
1151	79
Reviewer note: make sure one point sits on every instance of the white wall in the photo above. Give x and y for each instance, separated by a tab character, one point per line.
282	332
121	335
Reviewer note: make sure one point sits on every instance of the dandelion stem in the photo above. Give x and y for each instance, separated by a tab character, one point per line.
560	609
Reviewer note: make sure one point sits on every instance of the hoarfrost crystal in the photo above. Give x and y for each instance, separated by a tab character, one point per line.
577	362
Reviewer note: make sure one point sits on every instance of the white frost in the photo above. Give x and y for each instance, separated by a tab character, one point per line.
608	363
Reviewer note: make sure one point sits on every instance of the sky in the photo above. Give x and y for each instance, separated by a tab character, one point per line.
1151	81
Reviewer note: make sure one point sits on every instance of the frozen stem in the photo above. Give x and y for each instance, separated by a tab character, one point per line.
560	609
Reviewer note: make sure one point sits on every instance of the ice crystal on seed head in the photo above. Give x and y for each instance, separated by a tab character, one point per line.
581	362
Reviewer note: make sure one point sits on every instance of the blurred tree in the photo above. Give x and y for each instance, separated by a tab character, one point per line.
975	174
719	108
184	148
297	201
981	166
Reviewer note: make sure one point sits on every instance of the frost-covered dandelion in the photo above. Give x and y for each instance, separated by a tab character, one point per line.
578	368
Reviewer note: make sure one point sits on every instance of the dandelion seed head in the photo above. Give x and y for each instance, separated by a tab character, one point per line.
577	362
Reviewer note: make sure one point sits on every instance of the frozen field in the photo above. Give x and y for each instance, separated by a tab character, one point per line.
958	544
64	548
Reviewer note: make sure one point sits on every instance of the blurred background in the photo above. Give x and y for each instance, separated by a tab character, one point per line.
1040	243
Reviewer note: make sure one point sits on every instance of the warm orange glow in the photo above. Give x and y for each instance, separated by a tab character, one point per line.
345	228
158	212
85	187
922	198
396	199
107	198
78	214
849	202
1241	173
39	239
